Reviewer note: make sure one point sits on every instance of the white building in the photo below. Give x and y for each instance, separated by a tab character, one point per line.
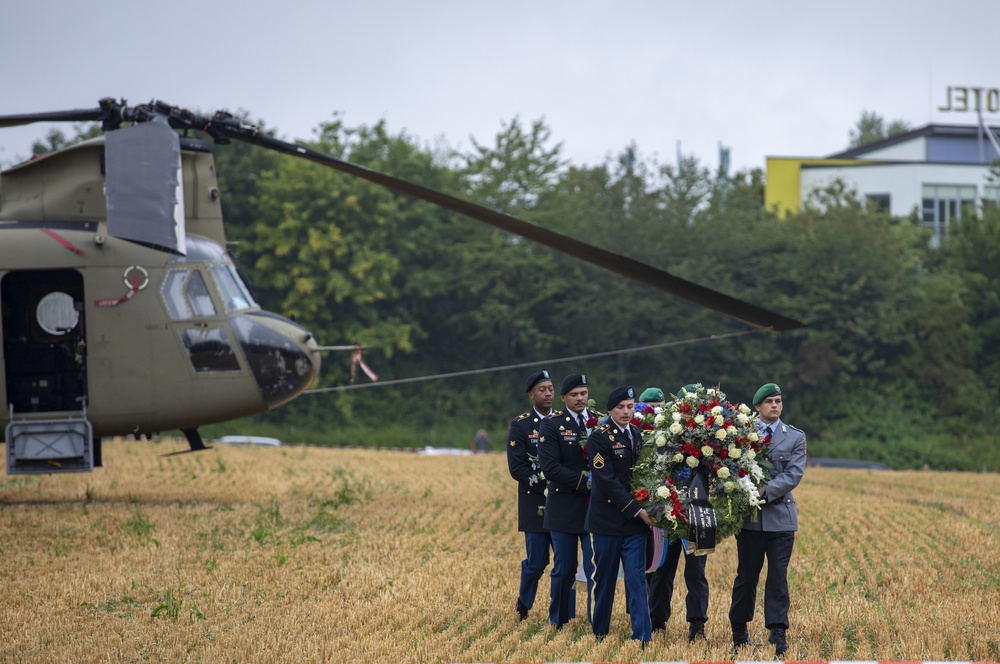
936	170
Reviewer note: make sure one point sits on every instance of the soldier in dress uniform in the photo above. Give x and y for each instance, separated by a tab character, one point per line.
772	536
661	581
562	453
617	523
522	461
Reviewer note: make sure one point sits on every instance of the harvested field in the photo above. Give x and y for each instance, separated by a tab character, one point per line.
310	554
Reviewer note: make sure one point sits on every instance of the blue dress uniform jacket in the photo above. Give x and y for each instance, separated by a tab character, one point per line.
788	454
613	509
561	454
522	461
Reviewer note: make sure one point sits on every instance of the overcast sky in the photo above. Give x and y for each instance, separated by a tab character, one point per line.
775	78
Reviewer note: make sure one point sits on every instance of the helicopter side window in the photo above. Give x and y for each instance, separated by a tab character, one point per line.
56	313
197	293
173	294
209	349
234	291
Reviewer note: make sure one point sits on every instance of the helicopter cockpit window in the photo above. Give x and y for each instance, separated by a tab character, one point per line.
173	294
235	293
198	294
56	313
209	349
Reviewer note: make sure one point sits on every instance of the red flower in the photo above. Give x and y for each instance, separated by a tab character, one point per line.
691	424
743	472
591	422
724	453
583	451
646	426
641	495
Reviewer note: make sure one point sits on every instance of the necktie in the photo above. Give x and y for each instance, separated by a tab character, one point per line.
767	431
583	425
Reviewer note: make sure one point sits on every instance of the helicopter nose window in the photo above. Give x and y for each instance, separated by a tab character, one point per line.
186	295
56	313
235	294
209	349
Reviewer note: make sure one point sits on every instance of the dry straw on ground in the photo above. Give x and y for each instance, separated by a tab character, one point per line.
307	554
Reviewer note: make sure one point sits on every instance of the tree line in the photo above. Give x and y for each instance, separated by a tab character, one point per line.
896	364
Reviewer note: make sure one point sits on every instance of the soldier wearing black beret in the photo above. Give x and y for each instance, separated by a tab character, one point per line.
772	535
522	461
661	580
562	453
618	524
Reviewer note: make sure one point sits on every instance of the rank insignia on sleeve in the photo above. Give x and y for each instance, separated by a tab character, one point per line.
512	443
598	461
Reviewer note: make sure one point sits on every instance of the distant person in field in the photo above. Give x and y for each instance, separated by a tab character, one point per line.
619	526
482	442
661	580
562	453
522	461
773	534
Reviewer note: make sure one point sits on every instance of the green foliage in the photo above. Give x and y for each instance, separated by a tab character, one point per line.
871	127
896	363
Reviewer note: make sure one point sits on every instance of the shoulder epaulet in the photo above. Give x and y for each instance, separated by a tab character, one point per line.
794	428
522	416
604	427
555	413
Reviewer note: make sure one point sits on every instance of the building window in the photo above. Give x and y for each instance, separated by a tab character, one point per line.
991	196
881	201
943	204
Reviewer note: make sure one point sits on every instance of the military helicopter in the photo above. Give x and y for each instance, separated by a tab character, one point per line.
124	314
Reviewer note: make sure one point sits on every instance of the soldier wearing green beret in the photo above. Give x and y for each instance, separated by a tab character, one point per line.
772	535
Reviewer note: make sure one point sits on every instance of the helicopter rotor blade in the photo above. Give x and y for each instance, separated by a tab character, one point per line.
617	263
78	115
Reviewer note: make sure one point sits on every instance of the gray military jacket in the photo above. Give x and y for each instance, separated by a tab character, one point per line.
788	454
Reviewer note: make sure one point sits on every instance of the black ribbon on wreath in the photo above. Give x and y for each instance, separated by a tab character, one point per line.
702	526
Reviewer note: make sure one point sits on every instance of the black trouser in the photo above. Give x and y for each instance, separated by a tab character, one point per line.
660	585
752	547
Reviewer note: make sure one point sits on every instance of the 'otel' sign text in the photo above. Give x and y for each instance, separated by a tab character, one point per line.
972	99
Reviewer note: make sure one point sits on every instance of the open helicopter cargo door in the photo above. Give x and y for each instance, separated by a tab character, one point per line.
144	186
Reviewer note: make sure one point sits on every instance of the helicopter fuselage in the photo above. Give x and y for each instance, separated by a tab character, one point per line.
136	338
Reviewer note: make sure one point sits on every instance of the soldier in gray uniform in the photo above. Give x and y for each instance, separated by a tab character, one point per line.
773	535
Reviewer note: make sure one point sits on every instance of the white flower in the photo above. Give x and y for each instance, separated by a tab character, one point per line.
710	392
750	455
721	434
751	491
676	428
744	409
678	457
735	452
728	487
717	410
663	492
723	473
659	419
699	419
661	440
742	418
677	417
707	450
753	437
691	461
719	420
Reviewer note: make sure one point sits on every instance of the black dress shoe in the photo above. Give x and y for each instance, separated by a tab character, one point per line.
521	609
778	639
697	631
741	637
